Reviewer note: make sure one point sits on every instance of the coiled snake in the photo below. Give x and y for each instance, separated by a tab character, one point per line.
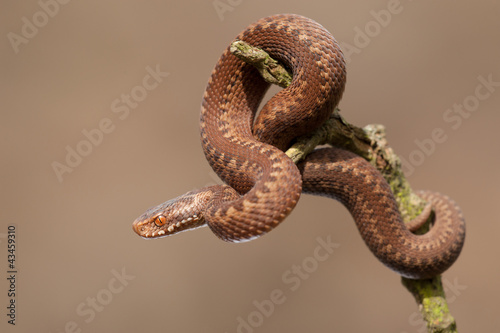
264	185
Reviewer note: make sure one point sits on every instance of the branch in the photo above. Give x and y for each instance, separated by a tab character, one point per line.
370	143
269	68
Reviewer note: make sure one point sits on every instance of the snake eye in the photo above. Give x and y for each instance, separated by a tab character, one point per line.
160	220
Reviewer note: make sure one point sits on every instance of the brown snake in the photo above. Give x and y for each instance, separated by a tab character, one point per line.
264	185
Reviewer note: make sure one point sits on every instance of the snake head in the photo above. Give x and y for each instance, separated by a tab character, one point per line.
173	216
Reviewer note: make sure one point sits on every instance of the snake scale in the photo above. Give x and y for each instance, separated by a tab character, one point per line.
263	185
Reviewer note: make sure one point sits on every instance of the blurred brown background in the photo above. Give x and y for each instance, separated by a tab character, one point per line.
66	68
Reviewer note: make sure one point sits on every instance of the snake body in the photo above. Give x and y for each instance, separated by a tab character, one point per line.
264	185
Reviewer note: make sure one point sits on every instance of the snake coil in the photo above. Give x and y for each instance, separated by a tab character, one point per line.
264	185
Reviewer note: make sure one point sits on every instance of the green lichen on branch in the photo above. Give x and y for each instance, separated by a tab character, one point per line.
267	66
389	164
369	142
429	294
337	130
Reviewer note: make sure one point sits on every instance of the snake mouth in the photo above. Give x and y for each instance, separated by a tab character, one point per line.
148	229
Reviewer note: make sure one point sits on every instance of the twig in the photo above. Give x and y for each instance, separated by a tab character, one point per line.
267	66
370	143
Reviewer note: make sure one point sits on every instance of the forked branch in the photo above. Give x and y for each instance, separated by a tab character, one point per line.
370	143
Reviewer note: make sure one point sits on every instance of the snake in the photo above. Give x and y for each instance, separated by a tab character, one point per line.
245	147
